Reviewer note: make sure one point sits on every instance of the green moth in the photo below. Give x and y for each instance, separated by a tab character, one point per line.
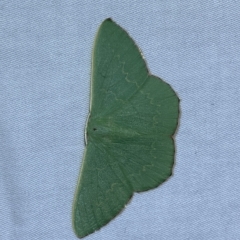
129	133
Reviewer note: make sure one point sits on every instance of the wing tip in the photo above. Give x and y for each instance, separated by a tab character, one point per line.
108	19
83	232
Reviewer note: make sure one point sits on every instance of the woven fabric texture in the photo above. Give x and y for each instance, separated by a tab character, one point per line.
45	64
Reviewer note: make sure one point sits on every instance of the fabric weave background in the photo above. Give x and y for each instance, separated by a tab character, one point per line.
45	60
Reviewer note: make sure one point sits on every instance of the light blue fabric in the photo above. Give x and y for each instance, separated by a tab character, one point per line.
45	60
